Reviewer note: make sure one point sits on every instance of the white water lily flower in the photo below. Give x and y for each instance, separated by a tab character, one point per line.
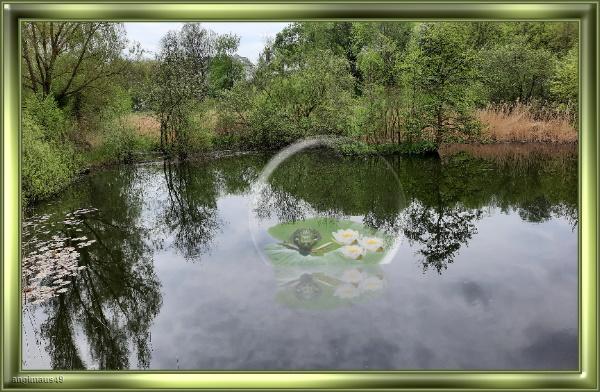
345	237
352	276
372	244
346	291
372	283
354	252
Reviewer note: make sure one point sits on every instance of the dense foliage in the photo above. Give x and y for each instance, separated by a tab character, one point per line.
386	86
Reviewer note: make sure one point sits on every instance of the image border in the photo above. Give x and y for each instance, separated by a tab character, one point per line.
583	12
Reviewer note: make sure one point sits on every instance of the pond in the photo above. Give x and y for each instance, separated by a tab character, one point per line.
464	261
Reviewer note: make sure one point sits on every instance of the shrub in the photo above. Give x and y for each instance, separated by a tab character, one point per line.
48	164
52	123
119	144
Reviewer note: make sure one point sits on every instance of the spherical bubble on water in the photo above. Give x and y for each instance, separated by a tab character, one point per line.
281	220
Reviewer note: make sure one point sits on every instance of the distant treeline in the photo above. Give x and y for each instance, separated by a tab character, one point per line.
87	89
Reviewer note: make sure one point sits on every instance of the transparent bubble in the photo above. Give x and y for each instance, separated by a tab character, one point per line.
276	199
323	227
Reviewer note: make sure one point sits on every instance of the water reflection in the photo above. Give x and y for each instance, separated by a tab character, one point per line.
326	184
191	211
439	232
125	309
189	214
441	199
114	299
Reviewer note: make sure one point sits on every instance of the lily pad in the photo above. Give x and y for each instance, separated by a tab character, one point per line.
280	254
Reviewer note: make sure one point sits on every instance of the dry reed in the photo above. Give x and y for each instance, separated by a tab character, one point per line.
144	124
527	123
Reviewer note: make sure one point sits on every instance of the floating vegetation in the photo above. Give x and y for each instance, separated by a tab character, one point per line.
329	241
50	264
324	263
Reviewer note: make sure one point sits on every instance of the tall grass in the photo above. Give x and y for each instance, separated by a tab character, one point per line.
518	122
144	124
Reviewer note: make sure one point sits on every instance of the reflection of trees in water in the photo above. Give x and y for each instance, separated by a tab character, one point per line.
439	232
283	205
114	300
388	223
111	304
274	203
437	221
191	212
319	183
537	209
446	195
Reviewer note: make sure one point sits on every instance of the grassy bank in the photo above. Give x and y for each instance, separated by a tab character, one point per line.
51	164
56	151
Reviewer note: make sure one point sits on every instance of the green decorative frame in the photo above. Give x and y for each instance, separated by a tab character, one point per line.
585	12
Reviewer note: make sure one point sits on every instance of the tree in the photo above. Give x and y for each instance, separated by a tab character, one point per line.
517	72
226	67
564	85
380	102
440	66
556	37
66	58
304	100
180	82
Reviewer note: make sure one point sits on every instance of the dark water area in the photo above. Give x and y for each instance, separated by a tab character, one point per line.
166	266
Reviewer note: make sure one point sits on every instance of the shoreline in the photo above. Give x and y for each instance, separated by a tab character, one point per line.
480	150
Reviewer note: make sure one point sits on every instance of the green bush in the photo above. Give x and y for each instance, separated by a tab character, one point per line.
307	99
118	145
121	143
48	163
564	86
199	135
53	124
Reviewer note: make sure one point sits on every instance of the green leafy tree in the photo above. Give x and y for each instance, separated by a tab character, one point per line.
564	85
517	72
226	67
67	58
441	70
48	161
180	82
304	100
556	37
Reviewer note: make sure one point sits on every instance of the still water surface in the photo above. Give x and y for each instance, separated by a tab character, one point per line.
175	273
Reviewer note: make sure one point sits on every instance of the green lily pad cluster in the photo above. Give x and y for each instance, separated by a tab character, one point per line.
323	240
324	263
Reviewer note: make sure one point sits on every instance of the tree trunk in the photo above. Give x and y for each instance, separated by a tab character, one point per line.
439	128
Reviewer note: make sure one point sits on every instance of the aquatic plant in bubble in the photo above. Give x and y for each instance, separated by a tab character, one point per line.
368	246
323	263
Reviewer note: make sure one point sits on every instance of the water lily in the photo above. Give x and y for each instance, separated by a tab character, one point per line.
346	291
345	237
354	252
372	283
372	244
352	276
